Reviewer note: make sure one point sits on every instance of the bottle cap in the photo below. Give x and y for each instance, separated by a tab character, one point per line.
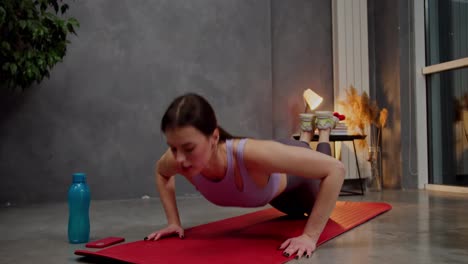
79	177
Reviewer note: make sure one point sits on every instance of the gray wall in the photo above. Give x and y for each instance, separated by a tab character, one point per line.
391	63
302	58
100	111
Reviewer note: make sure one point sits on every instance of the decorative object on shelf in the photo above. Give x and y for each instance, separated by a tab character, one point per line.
362	113
341	128
311	100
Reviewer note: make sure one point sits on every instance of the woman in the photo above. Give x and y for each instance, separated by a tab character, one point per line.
243	172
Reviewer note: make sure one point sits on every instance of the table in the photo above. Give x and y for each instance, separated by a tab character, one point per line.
341	138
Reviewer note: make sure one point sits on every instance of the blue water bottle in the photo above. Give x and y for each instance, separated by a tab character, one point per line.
78	203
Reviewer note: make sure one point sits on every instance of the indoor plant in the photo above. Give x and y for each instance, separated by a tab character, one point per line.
362	115
33	38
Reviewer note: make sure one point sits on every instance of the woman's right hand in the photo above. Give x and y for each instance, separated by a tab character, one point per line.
171	229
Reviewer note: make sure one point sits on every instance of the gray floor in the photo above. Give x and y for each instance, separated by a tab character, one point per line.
422	227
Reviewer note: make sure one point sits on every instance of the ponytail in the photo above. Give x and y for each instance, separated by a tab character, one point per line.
224	135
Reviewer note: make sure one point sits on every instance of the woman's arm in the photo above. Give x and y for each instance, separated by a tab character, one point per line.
325	203
165	182
270	156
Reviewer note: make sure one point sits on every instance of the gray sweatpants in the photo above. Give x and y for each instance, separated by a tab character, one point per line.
299	196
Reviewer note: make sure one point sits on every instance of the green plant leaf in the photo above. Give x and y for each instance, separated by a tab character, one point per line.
22	24
6	66
36	73
2	15
6	46
17	55
33	39
74	22
70	28
55	5
64	8
13	68
43	6
29	73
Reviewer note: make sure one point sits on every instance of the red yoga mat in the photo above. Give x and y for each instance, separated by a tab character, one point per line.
242	239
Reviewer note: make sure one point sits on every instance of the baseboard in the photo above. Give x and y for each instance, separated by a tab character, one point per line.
446	188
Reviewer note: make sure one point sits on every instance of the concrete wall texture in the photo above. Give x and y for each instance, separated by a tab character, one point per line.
100	111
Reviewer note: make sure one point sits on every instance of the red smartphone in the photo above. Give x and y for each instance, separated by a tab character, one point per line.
105	242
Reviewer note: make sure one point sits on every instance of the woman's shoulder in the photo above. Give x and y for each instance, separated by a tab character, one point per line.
260	147
269	149
167	165
263	154
257	150
259	141
247	141
250	140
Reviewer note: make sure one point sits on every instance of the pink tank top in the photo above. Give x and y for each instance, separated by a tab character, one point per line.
226	193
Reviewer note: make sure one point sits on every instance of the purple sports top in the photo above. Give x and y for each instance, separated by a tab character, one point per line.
226	193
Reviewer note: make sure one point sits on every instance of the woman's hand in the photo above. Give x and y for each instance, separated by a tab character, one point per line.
171	229
301	245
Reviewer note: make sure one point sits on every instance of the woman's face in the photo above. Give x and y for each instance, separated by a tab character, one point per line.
191	149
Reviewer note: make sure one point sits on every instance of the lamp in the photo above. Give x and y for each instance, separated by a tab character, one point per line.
312	99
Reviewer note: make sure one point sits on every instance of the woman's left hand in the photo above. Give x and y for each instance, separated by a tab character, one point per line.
301	245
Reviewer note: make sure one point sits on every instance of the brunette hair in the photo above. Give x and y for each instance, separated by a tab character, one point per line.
192	110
